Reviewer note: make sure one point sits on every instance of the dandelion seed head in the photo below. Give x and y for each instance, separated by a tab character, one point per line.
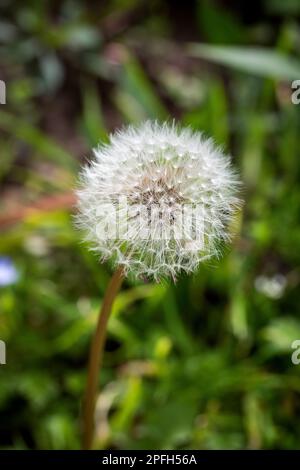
157	200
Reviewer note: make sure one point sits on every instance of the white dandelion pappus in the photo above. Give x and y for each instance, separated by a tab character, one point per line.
157	199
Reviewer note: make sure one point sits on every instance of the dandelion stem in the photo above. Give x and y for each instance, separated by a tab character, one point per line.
95	360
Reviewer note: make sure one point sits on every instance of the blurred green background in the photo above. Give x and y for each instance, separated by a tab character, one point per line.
205	363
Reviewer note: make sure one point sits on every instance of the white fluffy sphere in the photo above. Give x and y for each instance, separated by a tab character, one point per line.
157	199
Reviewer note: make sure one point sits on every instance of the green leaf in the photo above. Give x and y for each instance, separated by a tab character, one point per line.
219	25
281	333
36	139
254	60
136	97
93	121
175	323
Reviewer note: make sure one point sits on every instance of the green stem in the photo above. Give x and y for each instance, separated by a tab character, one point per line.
95	360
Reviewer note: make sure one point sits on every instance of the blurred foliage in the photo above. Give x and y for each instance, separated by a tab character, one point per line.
205	363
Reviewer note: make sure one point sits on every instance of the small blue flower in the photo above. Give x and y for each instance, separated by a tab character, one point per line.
8	272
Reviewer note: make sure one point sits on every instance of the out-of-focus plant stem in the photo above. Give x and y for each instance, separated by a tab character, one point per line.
95	360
